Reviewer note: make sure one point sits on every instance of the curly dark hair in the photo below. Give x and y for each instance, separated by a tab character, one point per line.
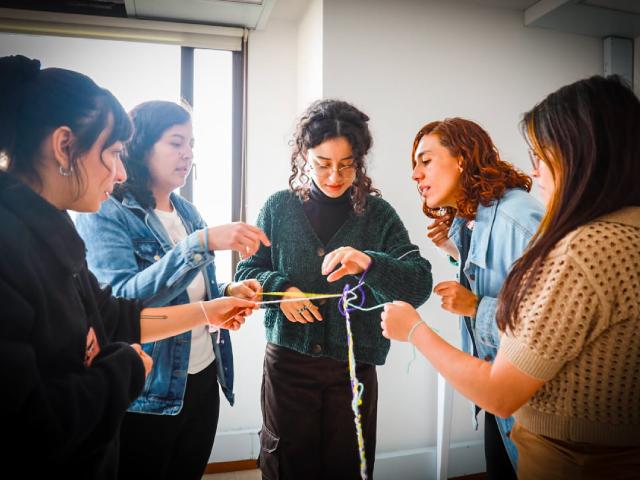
325	120
485	176
150	121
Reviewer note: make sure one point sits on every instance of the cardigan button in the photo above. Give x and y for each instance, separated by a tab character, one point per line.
197	257
320	252
488	358
157	257
317	348
472	277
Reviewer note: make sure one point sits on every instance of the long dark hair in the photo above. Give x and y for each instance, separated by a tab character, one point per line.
150	120
325	120
485	176
587	133
34	102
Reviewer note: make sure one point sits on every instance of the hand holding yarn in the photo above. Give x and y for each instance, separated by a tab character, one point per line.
249	289
351	261
227	312
398	319
303	311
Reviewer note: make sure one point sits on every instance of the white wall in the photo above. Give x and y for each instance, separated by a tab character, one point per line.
310	55
403	62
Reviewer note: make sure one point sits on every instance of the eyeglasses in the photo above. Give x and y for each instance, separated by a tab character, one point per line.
325	170
535	159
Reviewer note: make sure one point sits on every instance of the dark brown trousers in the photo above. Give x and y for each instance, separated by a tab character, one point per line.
308	427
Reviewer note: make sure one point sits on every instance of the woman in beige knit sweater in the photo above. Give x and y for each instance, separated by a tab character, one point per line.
568	367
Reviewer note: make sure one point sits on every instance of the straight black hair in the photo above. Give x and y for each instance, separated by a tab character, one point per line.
34	102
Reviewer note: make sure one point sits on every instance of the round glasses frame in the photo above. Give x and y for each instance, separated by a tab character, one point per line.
325	170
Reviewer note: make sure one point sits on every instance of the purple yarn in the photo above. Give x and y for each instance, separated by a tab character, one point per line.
359	289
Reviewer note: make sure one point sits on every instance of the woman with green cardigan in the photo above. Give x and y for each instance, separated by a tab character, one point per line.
329	226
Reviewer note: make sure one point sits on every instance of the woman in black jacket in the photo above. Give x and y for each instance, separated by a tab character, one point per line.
70	359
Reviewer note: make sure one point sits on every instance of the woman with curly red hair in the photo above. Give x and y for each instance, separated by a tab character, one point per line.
569	311
490	218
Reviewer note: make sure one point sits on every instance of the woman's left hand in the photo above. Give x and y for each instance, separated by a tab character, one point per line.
249	289
352	262
397	320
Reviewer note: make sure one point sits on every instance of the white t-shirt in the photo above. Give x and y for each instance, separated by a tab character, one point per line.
201	354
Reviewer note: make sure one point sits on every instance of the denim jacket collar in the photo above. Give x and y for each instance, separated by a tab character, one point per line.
479	246
154	223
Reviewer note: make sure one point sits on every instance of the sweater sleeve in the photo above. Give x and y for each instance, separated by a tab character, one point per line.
259	265
53	415
398	271
111	255
556	319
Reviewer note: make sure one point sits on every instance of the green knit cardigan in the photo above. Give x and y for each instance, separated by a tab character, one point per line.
397	272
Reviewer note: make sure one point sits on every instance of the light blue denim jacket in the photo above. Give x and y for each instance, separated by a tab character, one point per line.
128	248
501	233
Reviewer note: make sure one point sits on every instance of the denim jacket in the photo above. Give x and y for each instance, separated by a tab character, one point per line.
500	235
128	248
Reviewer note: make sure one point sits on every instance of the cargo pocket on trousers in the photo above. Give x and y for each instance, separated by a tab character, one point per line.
268	459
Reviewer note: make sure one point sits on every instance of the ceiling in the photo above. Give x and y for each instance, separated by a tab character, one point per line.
243	13
599	18
510	4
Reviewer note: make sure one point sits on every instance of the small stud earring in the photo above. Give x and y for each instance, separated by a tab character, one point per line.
65	173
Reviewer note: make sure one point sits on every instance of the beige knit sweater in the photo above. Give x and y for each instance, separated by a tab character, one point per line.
579	331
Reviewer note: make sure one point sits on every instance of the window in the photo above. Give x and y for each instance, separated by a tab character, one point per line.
136	72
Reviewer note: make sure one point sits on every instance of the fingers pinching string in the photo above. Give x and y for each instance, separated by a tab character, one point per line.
352	298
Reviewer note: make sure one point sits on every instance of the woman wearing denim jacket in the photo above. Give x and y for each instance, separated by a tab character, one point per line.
69	350
568	364
459	171
149	243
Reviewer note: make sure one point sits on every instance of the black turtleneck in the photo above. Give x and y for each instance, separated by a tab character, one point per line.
326	214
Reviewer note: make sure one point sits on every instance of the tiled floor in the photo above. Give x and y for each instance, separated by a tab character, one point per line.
242	475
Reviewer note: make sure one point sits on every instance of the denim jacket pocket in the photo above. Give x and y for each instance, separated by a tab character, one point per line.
147	252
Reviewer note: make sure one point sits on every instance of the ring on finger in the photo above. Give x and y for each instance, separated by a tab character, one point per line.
303	309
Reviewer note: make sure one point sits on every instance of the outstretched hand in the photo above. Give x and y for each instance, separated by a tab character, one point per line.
351	262
239	236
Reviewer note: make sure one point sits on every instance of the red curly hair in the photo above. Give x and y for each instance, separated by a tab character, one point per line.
485	176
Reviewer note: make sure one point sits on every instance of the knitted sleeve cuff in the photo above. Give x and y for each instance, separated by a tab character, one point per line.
527	360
